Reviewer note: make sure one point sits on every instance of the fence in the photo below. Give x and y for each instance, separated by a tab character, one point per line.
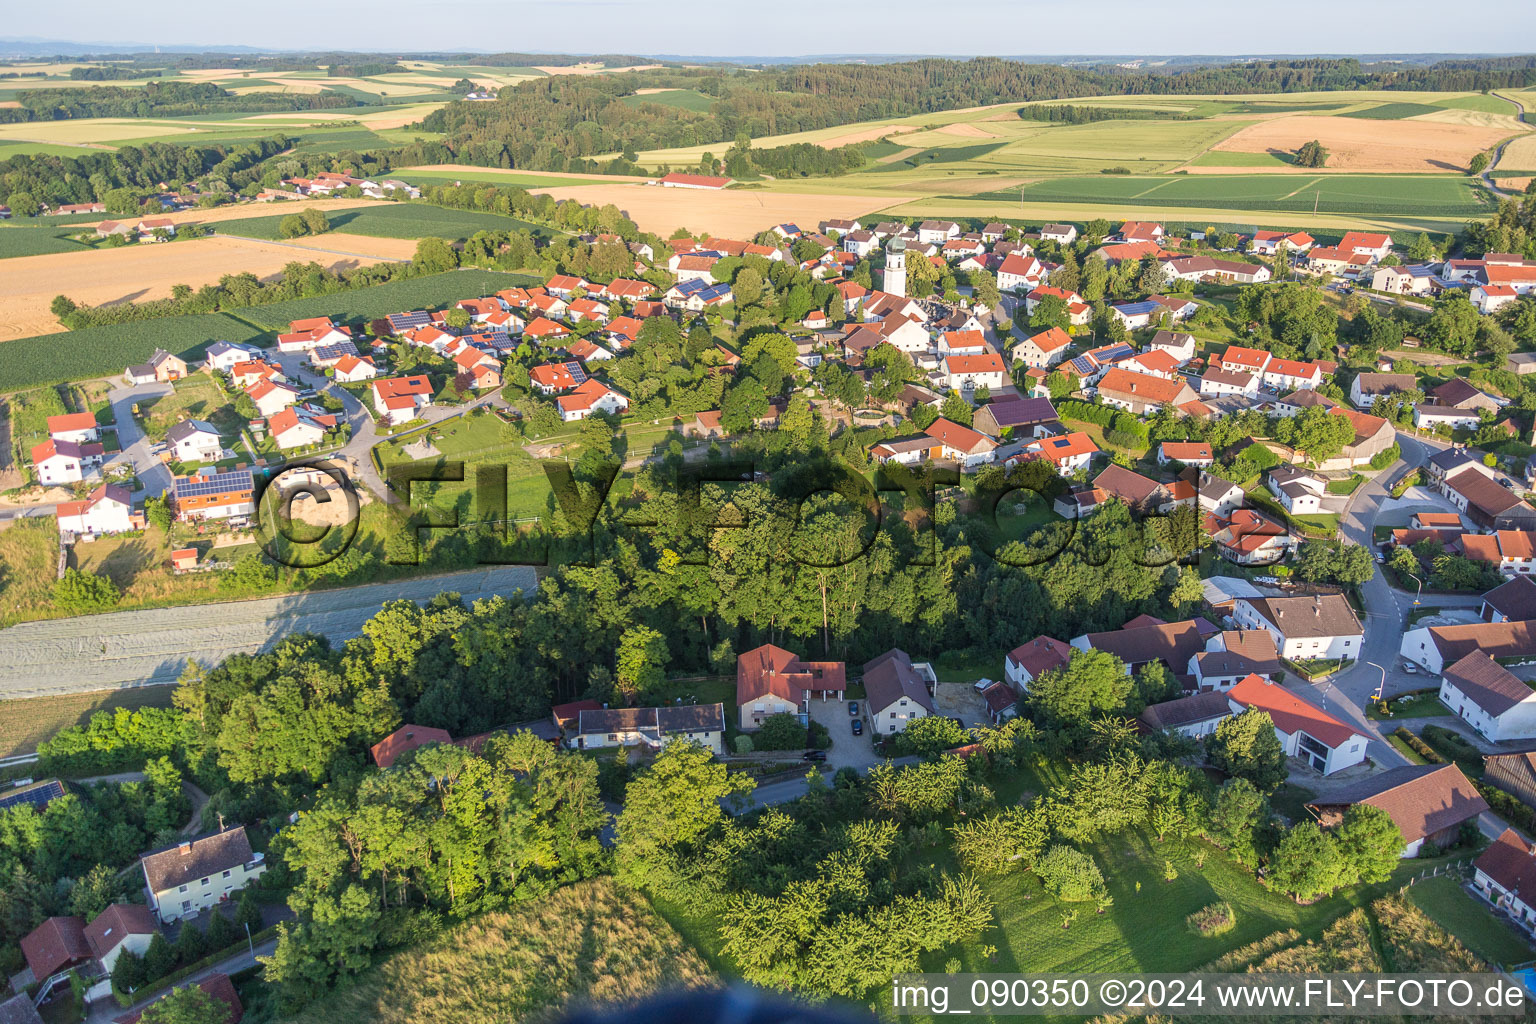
1460	867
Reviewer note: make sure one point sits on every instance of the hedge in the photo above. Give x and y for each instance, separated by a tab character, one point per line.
1418	746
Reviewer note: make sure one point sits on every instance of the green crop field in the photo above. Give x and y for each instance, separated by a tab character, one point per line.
687	99
395	220
1486	103
1374	194
1392	111
36	240
9	149
1224	158
105	351
434	290
491	176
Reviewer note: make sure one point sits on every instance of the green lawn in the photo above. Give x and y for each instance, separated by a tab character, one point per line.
393	220
1418	705
1453	909
1488	104
1222	158
1348	485
490	176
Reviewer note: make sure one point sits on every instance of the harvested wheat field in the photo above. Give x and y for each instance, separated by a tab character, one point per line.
140	272
241	211
733	213
1359	144
879	131
592	69
1520	155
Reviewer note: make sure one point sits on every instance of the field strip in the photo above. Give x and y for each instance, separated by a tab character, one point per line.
1301	188
1154	188
136	648
897	157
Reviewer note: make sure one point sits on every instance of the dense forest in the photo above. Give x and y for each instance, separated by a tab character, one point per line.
563	122
160	99
50	178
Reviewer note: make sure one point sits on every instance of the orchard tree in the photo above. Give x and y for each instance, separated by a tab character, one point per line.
1369	842
1306	863
1246	746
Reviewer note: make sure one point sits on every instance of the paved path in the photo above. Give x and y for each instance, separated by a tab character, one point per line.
154	476
152	646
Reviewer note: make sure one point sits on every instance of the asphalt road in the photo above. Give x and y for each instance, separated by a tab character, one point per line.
152	646
1498	153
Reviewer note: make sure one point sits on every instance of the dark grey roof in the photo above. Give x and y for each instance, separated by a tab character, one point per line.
654	721
1487	684
1515	599
180	863
1316	616
1198	707
186	428
891	677
1022	411
1214	487
19	1010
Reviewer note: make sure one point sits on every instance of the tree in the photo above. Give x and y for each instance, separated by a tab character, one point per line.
292	226
1051	311
780	732
1070	874
93	892
188	1005
248	912
748	287
1246	746
315	221
80	593
159	958
671	808
127	971
1091	683
1306	863
23	204
931	735
1236	815
1311	154
1369	842
641	662
1479	162
435	255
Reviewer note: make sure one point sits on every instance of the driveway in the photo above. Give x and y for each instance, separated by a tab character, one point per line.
154	476
848	750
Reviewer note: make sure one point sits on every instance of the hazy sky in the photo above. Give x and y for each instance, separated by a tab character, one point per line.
795	27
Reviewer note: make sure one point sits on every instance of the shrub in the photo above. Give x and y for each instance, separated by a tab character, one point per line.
1069	874
1418	746
1216	919
743	744
780	732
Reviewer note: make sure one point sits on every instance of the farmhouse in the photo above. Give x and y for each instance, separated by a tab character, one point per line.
1024	416
1513	551
1305	628
1305	731
1368	387
1490	698
1205	268
1505	875
1486	503
773	681
1427	802
1373	435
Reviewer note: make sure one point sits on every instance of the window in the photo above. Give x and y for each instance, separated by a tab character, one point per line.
226	874
186	904
203	882
893	714
182	889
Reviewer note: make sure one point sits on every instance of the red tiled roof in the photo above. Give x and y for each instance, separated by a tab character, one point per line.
71	421
1041	654
404	740
1051	339
1290	713
773	670
54	945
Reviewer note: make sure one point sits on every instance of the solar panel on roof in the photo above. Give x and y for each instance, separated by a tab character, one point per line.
577	373
406	321
38	796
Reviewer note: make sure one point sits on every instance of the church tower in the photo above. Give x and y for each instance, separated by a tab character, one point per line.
894	278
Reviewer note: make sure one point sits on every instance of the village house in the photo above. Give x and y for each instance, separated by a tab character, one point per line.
1244	536
1490	506
312	332
1512	551
271	397
1428	803
213	494
188	877
1153	363
397	400
1141	394
972	372
1217	382
1305	731
1061	234
120	927
1294	403
1373	435
897	691
1267	243
1078	311
773	681
652	728
1018	271
1025	417
1194	716
1320	627
195	441
1367	387
1232	656
108	510
162	368
352	369
1027	662
1180	346
1138	315
1505	876
1436	647
1206	268
298	426
1375	247
1490	698
588	397
1217	495
74	427
1045	349
222	356
1069	453
970	448
1416	280
1192	453
65	462
1292	375
1146	639
1300	493
1141	231
937	232
1428	417
55	945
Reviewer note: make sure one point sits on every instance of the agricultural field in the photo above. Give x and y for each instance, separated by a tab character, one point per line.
448	174
105	351
26	723
394	220
138	272
687	99
434	290
38	238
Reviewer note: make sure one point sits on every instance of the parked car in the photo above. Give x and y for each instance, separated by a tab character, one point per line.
814	755
1381	556
1410	668
858	727
853	708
